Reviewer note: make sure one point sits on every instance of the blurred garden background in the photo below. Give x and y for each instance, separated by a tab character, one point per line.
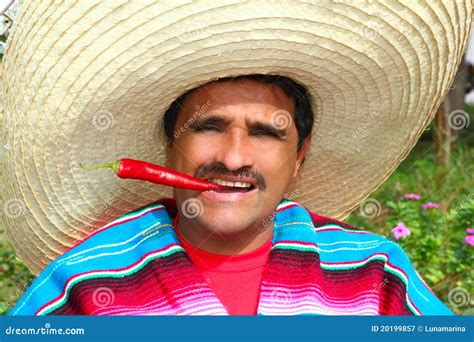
428	209
426	206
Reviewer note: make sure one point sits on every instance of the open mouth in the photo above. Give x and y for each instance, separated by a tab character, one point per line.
232	186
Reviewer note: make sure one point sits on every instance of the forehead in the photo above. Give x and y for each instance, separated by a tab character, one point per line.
241	92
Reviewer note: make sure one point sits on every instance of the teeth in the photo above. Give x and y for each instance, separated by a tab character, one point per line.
233	184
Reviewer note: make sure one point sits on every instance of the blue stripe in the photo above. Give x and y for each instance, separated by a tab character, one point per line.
144	238
292	224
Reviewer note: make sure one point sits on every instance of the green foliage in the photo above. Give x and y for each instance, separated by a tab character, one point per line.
14	276
436	244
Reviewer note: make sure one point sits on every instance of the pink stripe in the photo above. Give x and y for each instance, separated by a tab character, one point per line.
312	308
202	311
70	280
387	262
373	300
288	207
192	292
158	309
362	297
314	289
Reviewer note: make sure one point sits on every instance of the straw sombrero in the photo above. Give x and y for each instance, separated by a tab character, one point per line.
89	82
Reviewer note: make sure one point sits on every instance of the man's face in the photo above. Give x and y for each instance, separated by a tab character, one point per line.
237	131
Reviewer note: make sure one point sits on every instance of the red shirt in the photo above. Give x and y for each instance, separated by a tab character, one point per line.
235	279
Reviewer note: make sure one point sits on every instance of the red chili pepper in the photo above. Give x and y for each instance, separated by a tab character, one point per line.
138	169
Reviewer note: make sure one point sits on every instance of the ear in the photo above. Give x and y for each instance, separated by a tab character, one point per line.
169	147
301	154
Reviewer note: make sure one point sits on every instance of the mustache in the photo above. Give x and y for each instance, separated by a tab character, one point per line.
220	169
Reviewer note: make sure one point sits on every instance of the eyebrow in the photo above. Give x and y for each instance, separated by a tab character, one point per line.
221	120
209	119
280	133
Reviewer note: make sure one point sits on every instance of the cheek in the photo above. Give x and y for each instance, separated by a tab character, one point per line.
275	161
277	166
189	152
280	176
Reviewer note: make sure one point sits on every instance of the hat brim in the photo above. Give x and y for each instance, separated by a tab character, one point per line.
89	82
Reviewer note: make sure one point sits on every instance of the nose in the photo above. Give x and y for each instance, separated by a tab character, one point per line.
236	150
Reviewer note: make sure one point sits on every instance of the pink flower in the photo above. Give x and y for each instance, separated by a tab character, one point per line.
412	196
430	205
470	230
469	239
400	231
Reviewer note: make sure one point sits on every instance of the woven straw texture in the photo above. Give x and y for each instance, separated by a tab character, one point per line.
89	81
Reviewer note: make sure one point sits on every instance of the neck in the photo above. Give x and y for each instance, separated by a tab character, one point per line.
248	240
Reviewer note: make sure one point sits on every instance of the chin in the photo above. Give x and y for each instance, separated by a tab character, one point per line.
225	224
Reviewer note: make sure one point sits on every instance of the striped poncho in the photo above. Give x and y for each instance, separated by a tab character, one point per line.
316	266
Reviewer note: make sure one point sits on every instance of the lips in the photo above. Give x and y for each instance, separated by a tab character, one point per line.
239	189
235	184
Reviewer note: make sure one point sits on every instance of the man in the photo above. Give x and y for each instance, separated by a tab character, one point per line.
226	266
238	140
257	248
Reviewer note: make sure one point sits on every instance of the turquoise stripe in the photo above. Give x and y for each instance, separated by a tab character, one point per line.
51	282
153	231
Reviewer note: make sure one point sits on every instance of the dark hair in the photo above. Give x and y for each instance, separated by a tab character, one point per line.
303	115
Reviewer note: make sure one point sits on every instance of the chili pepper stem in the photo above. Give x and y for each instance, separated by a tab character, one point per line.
114	166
